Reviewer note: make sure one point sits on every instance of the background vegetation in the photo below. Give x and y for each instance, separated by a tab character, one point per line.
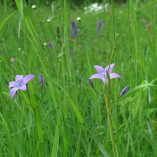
70	117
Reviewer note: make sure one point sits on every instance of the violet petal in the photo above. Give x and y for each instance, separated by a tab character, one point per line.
24	88
27	78
12	84
99	69
95	76
109	68
114	75
18	78
12	92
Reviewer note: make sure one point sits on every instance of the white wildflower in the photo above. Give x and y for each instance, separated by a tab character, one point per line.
94	8
45	44
34	6
49	20
78	18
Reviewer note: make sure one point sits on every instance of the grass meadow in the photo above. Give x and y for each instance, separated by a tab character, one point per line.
64	116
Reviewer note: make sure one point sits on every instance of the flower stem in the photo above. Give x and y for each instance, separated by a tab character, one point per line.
37	119
109	115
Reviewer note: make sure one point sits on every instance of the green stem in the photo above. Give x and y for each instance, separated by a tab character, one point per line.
38	125
37	118
109	115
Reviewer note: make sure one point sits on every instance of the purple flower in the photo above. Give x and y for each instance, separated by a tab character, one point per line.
99	25
104	74
19	83
124	91
50	45
12	59
40	80
73	29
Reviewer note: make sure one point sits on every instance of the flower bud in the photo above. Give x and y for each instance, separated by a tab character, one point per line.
124	91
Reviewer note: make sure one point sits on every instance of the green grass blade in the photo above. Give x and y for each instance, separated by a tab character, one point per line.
55	147
38	125
6	19
147	5
10	145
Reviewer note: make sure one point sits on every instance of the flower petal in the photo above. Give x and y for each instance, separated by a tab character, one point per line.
13	91
109	68
114	75
24	88
95	76
18	78
99	69
12	84
27	78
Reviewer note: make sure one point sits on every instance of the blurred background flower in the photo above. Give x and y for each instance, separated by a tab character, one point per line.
74	31
94	8
99	25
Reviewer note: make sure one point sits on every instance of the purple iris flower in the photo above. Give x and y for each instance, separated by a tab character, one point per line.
40	80
104	74
124	91
99	25
19	83
74	31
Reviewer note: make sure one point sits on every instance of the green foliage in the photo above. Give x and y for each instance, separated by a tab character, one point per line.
68	117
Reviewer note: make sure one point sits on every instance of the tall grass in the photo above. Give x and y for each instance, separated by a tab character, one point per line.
70	118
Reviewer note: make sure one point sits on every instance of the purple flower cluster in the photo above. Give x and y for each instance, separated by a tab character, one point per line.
104	74
99	26
74	31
